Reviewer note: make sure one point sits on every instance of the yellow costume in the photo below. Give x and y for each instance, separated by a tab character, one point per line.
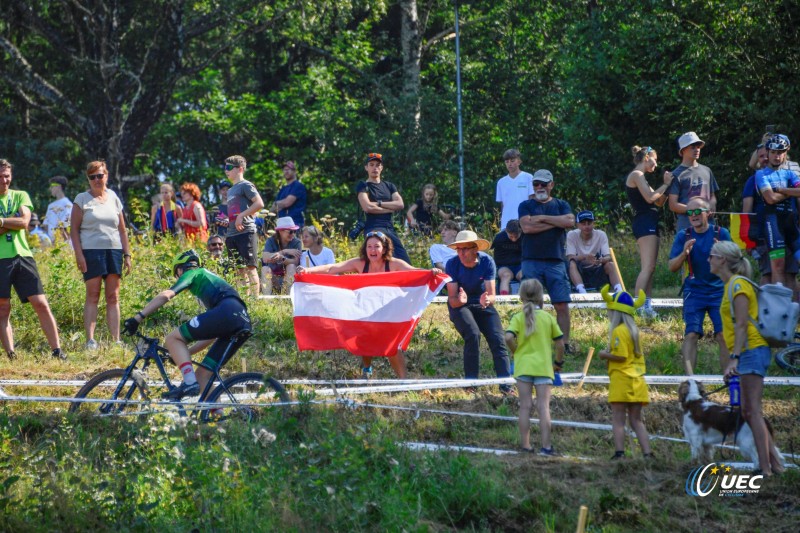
627	378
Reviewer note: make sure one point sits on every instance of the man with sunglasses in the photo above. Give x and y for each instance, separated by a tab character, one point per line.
691	180
779	185
513	188
702	290
379	200
215	247
544	221
241	240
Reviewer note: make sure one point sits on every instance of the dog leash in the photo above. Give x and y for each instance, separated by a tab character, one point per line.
730	414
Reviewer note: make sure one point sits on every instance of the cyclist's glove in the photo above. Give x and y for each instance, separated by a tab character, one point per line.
130	326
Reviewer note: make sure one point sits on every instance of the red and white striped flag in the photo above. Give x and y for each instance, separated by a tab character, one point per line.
365	314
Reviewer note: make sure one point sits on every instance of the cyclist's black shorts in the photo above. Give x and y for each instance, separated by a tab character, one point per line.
222	322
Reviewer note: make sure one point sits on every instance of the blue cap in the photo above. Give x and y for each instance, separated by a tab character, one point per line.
585	215
225	183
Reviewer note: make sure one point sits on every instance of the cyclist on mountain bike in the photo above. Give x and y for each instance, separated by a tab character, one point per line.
225	316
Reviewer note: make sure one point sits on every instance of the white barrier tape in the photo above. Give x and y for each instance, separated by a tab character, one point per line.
396	385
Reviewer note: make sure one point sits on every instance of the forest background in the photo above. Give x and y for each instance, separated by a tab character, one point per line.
168	88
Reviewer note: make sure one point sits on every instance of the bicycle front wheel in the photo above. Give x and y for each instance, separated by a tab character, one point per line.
244	388
788	358
102	387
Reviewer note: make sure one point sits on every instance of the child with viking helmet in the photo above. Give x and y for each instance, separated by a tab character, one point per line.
627	392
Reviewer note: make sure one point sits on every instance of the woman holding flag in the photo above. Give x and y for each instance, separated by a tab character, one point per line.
375	256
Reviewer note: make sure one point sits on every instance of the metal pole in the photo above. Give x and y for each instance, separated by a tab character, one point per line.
458	112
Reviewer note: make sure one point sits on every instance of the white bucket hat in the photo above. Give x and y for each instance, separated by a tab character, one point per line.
688	139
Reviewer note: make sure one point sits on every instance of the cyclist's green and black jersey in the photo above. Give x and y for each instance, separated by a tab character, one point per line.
225	316
209	288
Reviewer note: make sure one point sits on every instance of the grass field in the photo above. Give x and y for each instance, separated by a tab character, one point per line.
339	467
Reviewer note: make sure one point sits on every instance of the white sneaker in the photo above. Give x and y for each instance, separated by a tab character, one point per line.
91	345
648	312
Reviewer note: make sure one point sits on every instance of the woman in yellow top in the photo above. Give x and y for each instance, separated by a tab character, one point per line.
627	391
750	353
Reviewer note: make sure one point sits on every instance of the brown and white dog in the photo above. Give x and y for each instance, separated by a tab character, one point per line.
706	424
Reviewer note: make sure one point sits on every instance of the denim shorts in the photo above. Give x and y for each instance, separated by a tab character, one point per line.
102	263
755	361
552	274
536	380
695	308
513	268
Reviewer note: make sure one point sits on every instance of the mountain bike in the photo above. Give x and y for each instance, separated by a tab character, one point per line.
788	357
139	382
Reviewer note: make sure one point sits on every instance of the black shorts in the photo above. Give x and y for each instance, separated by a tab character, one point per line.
645	224
222	322
20	273
243	249
593	276
102	263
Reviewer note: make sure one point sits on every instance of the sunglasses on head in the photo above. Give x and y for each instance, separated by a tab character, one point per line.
540	183
96	176
693	212
229	167
377	234
374	155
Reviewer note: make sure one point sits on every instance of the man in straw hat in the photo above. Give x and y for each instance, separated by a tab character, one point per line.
470	299
544	222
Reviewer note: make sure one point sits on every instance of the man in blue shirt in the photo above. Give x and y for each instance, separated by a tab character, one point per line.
702	290
292	197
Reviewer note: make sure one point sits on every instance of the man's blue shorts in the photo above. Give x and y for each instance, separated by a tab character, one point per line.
552	274
695	307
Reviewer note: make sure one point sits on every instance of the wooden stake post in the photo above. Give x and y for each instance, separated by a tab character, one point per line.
616	267
586	367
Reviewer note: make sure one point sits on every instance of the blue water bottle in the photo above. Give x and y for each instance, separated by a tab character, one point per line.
557	379
734	390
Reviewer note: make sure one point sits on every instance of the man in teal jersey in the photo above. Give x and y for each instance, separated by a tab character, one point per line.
225	316
17	266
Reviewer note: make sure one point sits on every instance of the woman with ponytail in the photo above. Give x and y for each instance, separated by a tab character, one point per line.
645	203
530	337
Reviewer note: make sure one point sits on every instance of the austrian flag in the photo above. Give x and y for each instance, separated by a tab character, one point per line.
365	314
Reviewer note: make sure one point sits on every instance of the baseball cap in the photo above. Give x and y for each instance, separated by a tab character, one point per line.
585	215
374	156
543	175
225	184
289	164
688	139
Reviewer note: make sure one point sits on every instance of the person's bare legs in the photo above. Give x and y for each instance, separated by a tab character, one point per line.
90	307
752	390
724	355
575	274
543	409
689	349
6	333
112	305
611	272
562	317
648	253
505	276
619	412
525	391
637	425
46	319
398	363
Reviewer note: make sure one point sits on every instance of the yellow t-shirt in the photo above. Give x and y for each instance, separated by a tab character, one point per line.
622	346
534	355
754	338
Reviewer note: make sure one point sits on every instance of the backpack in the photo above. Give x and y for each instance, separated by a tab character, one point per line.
777	313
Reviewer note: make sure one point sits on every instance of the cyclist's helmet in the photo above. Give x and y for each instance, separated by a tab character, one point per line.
189	258
778	142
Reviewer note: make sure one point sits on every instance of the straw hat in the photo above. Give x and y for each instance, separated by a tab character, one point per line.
286	223
467	237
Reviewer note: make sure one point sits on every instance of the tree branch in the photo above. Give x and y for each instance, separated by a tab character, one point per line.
449	33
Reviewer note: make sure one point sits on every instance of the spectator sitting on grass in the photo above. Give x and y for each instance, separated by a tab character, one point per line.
441	253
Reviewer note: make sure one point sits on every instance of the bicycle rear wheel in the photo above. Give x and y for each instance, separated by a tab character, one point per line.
247	388
102	387
788	358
